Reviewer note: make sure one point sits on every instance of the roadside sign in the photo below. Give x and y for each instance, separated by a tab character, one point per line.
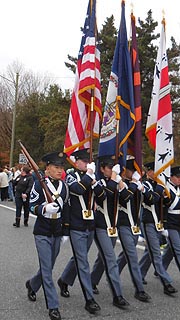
22	159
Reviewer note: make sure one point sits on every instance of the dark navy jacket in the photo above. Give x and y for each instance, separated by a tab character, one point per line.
23	184
83	188
45	226
129	194
152	196
109	188
173	220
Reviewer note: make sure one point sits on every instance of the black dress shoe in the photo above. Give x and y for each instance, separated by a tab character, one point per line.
144	281
169	289
142	296
26	224
54	314
31	293
91	306
63	288
120	302
95	289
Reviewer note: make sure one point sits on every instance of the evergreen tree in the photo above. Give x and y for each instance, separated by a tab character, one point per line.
107	42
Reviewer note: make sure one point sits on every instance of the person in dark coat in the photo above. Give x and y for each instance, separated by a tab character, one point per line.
82	226
48	229
128	227
152	229
106	231
23	185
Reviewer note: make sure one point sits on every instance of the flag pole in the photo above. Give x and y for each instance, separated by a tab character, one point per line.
91	126
92	110
117	117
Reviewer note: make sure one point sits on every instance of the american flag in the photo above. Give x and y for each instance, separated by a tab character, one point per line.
159	120
87	87
120	89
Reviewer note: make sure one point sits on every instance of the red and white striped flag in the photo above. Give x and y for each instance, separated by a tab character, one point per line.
159	121
87	81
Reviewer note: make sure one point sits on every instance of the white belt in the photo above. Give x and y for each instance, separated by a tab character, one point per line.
52	215
174	211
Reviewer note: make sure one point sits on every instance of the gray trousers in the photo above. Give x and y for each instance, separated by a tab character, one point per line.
48	250
98	267
81	242
129	254
106	249
152	237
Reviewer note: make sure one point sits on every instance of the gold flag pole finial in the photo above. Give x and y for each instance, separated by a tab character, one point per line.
132	7
163	19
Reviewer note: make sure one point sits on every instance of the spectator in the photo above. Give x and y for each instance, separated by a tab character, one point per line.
23	185
3	185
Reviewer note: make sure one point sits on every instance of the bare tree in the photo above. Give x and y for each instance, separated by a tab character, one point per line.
28	83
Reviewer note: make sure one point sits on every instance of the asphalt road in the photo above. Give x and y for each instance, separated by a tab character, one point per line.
18	262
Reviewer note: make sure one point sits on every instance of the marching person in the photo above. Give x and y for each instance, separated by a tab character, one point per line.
48	230
152	229
23	185
106	231
173	218
82	227
128	229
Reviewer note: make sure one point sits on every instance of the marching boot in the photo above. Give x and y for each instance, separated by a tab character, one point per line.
17	223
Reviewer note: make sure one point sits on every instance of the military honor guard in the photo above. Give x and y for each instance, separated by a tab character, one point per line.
48	229
152	226
106	231
128	227
82	226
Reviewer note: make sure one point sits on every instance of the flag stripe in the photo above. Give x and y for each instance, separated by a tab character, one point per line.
87	80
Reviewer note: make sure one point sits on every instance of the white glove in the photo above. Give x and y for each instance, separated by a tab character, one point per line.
139	186
165	233
51	208
92	167
136	176
116	168
94	185
118	178
64	239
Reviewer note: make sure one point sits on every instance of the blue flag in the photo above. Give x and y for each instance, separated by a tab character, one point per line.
119	116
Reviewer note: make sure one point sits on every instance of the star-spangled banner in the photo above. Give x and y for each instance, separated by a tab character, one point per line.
87	80
159	120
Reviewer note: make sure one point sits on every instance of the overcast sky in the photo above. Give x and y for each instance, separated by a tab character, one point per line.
41	33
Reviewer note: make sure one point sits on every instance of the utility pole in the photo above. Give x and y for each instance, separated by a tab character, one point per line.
14	120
